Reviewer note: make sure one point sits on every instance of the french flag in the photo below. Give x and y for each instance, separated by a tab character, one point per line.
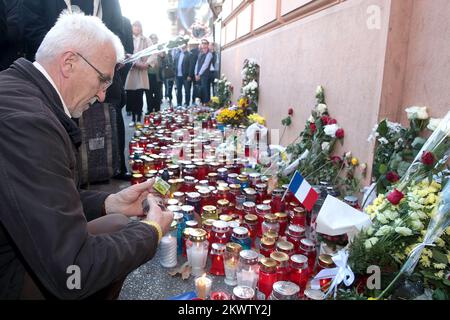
303	191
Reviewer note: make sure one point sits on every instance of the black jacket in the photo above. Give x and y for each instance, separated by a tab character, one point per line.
194	57
186	64
39	16
10	34
42	222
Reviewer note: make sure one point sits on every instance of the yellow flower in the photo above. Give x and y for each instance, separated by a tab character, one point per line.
355	161
370	298
447	231
436	185
425	261
448	256
427	252
431	199
439	266
256	118
440	242
440	274
215	100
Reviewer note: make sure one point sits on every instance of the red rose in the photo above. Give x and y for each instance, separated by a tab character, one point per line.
336	159
332	121
395	196
325	120
290	111
392	177
312	127
427	158
340	133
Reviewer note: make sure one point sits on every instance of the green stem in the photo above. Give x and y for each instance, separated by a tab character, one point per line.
317	170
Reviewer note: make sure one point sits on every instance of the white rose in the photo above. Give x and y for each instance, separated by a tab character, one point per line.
348	155
322	108
382	218
391	215
417	225
403	231
384	230
330	130
417	113
369	243
383	140
434	124
228	83
325	146
311	119
370	231
319	90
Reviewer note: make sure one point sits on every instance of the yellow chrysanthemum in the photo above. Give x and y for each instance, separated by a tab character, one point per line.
440	243
256	118
215	100
355	161
439	274
439	266
425	261
447	231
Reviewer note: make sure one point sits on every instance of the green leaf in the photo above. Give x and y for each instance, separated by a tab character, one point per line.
446	282
383	128
382	169
439	294
439	256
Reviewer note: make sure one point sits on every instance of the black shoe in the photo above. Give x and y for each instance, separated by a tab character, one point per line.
123	176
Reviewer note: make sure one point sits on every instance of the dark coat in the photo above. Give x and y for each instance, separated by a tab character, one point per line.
186	64
10	34
39	16
43	227
194	57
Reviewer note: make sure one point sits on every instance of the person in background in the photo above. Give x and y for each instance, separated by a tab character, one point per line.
168	75
183	77
214	70
202	71
44	234
137	79
153	94
10	34
194	50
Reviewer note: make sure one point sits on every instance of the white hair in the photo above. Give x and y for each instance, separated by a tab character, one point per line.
78	32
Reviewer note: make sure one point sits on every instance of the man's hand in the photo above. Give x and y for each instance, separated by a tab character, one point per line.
197	78
129	200
189	78
157	215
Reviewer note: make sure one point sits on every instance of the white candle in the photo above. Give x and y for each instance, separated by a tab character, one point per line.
231	266
197	256
168	247
203	286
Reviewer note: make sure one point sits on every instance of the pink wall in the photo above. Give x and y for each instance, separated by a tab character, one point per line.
333	48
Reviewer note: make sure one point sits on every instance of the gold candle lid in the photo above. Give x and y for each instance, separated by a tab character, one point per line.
233	247
299	211
250	218
208	222
279	256
281	216
271	234
197	235
235	186
225	217
187	232
268	263
223	203
326	260
172	202
268	241
270	218
285	246
209	209
223	188
267	202
137	176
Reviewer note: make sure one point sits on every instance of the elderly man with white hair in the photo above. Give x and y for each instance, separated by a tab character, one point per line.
47	248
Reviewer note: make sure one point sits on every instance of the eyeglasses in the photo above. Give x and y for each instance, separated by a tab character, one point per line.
105	80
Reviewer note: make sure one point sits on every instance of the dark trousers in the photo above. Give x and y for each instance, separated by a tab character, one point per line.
153	94
205	89
104	225
182	82
121	138
195	90
168	84
135	103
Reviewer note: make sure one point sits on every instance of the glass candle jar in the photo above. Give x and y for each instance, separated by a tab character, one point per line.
294	234
240	236
180	196
188	212
137	178
217	295
202	170
352	201
205	197
223	207
207	226
261	192
284	290
193	199
254	179
308	249
212	178
186	235
222	174
231	258
190	170
267	246
267	276
325	261
249	208
251	223
220	232
239	206
261	211
243	181
271	234
250	194
232	179
178	218
299	273
270	223
283	221
217	259
188	184
298	217
276	203
285	247
243	293
197	251
282	260
192	224
209	212
248	269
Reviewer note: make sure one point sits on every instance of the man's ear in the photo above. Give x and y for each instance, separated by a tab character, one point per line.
67	64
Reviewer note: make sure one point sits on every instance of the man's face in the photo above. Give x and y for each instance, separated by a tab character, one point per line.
205	46
88	84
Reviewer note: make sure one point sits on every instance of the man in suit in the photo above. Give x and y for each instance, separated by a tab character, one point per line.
202	71
183	75
194	50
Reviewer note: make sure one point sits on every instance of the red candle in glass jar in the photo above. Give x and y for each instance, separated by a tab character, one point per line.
221	232
202	170
308	249
188	185
205	196
276	203
261	192
283	221
217	266
267	275
298	217
283	269
261	211
251	223
267	246
137	178
223	207
220	296
325	261
295	234
299	273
